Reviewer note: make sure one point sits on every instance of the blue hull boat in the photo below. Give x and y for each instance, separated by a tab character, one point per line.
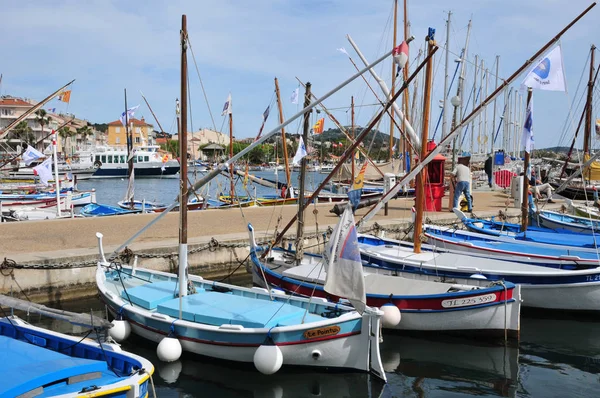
533	234
100	210
41	363
142	205
559	221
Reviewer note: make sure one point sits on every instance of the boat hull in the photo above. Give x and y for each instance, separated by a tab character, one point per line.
156	171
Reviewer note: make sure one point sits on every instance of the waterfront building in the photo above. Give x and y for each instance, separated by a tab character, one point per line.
202	138
142	133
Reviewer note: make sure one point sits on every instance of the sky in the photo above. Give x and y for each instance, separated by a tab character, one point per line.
240	46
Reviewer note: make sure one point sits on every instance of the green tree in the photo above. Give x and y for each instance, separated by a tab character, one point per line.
171	146
24	133
65	134
85	132
43	120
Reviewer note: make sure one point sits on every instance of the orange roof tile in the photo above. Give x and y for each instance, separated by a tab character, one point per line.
136	122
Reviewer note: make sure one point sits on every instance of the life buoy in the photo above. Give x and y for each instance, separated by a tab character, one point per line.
97	164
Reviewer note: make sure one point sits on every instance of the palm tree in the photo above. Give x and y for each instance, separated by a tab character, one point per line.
64	133
42	120
23	133
85	132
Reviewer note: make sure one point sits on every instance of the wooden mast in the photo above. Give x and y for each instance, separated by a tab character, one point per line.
300	223
231	181
283	139
183	185
588	115
406	94
393	90
525	198
353	135
420	178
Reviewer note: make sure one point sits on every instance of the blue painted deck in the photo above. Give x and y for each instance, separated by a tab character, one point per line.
217	308
26	367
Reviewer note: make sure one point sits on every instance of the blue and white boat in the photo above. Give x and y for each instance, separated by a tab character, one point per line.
100	210
38	362
147	162
560	221
533	234
541	287
508	248
141	205
251	325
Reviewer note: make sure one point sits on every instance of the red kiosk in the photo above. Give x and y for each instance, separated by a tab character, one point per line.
434	183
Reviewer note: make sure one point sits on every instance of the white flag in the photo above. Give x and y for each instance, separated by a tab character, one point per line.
44	171
294	97
527	138
300	153
227	106
30	155
343	264
548	74
343	51
130	113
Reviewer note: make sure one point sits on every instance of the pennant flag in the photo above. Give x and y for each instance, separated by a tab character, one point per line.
318	127
357	155
163	168
125	117
527	138
343	51
30	155
355	193
548	74
343	264
44	171
265	117
294	97
227	106
65	96
300	153
400	55
52	110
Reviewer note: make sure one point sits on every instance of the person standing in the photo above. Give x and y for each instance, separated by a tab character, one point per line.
462	178
488	169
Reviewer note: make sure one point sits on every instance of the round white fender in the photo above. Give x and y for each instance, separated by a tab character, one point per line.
391	315
169	349
120	330
268	359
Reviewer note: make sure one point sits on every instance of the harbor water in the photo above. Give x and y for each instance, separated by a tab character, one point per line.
555	358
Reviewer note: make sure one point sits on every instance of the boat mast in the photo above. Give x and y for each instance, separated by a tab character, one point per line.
476	70
406	97
457	101
445	93
300	222
283	139
130	192
588	116
56	180
231	182
420	178
183	186
494	117
525	199
393	91
353	135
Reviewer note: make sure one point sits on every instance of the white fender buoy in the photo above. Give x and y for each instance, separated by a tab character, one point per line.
478	276
120	330
391	315
268	359
169	349
170	372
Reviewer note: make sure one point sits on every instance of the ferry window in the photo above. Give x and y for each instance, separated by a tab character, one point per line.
97	158
109	159
123	159
146	158
134	159
140	158
103	158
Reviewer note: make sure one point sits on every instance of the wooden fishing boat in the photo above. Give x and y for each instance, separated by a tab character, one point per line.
424	305
566	288
141	205
38	362
560	221
100	210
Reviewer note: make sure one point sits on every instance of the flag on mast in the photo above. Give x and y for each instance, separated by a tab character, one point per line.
548	74
300	153
30	155
355	193
44	171
295	94
65	96
227	106
527	138
130	112
343	264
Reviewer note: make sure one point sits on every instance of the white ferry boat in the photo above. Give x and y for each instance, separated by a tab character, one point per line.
147	162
